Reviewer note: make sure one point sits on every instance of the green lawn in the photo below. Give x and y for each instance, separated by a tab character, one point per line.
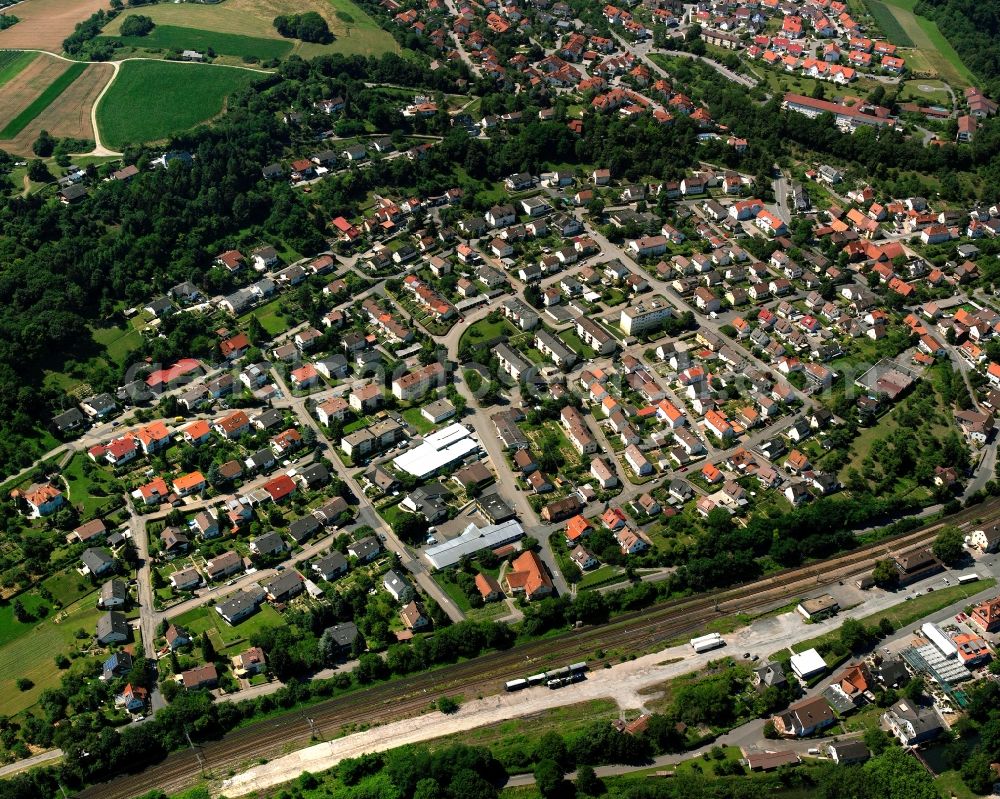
415	418
485	330
12	62
575	343
228	640
270	318
602	575
82	487
699	767
456	594
174	37
925	91
357	424
511	742
67	586
43	101
152	100
118	342
392	513
950	783
907	612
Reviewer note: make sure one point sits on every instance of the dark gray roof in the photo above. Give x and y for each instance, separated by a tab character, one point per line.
101	403
69	419
315	475
136	391
331	511
96	559
286	583
268	542
365	548
892	672
302	528
237	604
268	419
115	588
495	507
112	623
344	633
330	564
261	458
851	750
186	289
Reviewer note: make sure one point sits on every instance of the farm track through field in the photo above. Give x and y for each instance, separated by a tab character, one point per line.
69	115
637	631
24	88
82	98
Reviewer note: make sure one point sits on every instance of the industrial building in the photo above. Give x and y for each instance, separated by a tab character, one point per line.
473	539
447	447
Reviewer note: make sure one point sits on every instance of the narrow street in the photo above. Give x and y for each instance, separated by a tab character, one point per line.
367	514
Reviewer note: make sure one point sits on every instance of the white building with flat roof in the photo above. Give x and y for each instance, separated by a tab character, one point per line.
808	664
646	315
473	539
442	449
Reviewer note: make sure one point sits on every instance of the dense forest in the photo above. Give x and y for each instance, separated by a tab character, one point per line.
972	28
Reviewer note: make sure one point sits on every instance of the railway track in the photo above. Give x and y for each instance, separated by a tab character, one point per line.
409	696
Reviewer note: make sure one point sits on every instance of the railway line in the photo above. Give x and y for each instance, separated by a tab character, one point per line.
635	631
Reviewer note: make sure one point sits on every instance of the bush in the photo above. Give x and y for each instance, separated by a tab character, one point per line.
44	145
447	705
309	27
137	25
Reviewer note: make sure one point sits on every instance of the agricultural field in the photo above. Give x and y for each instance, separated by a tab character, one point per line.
152	100
45	23
65	114
172	37
12	62
932	52
25	89
888	23
354	31
48	96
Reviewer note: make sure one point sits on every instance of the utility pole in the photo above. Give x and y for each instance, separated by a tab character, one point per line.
197	753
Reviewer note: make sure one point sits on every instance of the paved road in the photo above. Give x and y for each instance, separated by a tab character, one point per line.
367	514
149	619
30	762
486	432
782	193
463	54
641	50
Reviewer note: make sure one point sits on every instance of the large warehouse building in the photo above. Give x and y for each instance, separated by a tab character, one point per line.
473	539
447	447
